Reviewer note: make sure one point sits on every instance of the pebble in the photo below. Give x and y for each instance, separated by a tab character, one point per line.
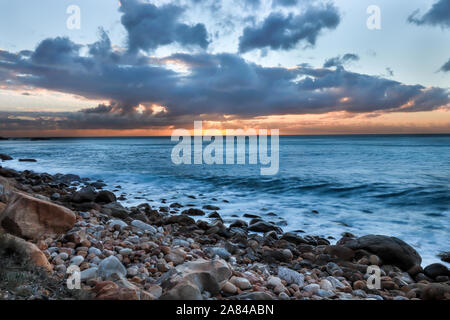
143	226
229	288
291	276
311	288
241	283
77	260
326	285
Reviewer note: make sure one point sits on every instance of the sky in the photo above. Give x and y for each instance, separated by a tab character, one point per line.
137	67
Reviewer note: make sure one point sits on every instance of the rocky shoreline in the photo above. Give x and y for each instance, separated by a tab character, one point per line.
150	253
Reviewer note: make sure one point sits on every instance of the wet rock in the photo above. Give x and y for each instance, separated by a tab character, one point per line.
193	212
390	249
5	157
239	224
86	194
116	210
27	160
182	220
210	207
435	270
105	197
445	256
263	226
293	238
341	252
31	218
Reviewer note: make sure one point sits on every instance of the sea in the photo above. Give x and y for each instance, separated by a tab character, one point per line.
395	185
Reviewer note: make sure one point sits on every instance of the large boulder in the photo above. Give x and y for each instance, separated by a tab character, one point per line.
435	270
105	197
37	257
391	250
86	194
194	277
31	218
5	157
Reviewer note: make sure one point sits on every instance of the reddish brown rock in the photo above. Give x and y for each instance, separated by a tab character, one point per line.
31	218
36	256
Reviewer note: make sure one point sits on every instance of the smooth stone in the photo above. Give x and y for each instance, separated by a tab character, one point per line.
241	283
143	226
291	276
77	260
326	285
119	223
311	288
229	288
95	251
88	274
111	266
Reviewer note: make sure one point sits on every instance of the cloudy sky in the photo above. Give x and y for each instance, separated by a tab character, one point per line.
138	67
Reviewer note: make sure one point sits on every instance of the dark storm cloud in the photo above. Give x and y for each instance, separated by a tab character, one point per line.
216	85
446	66
279	31
340	61
149	26
438	15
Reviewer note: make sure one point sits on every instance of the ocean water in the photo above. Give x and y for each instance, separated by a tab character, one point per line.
383	184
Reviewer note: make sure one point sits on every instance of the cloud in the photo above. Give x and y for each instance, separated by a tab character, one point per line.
209	86
446	67
340	61
150	27
279	31
437	15
284	3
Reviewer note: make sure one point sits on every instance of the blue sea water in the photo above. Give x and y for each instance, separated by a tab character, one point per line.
397	185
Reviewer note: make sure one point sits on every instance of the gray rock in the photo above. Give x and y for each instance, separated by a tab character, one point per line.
143	226
119	223
291	276
77	260
221	252
95	251
88	274
110	266
334	270
314	288
181	243
325	293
